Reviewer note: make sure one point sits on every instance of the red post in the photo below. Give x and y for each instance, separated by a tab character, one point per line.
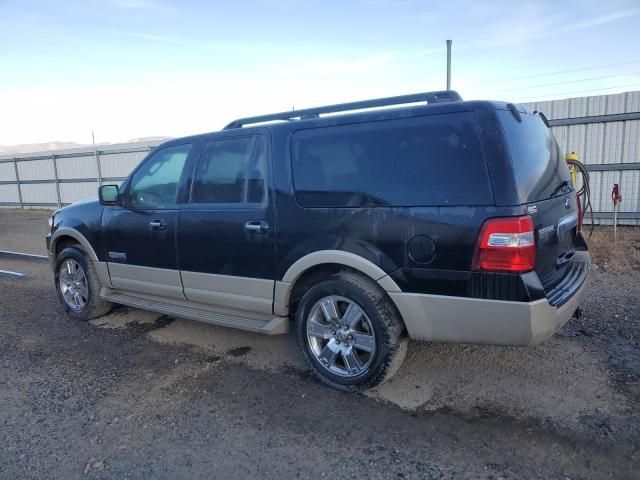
616	197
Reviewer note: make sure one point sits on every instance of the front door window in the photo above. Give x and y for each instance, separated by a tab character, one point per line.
155	183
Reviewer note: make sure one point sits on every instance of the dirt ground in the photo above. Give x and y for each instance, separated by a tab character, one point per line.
617	254
24	230
138	395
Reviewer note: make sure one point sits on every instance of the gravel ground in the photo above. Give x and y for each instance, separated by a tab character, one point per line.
138	395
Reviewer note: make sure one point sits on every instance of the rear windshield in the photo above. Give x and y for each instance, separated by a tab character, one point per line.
540	172
434	160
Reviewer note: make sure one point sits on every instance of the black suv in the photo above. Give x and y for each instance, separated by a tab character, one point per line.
436	219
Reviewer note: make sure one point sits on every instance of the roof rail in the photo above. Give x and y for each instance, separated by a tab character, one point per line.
429	97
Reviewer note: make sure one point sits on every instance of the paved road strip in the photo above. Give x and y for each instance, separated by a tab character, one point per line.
20	254
15	274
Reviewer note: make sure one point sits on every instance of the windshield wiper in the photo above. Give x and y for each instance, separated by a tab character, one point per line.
564	184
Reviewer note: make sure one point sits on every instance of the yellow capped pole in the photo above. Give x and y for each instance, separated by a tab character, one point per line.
573	156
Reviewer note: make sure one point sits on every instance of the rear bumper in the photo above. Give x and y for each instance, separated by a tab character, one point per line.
473	320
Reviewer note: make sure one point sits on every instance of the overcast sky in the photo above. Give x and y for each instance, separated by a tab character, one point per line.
135	68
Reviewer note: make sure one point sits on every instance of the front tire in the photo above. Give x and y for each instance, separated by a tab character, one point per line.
78	286
350	333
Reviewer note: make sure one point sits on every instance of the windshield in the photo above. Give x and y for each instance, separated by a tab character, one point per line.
539	170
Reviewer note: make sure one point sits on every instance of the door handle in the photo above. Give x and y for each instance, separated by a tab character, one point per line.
256	226
157	225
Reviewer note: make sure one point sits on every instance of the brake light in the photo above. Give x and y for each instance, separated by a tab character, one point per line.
506	245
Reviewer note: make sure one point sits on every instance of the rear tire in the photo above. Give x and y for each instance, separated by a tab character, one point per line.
78	286
350	332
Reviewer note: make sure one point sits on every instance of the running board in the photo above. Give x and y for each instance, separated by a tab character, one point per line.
269	325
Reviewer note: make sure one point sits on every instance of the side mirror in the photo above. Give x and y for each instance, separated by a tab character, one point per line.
109	195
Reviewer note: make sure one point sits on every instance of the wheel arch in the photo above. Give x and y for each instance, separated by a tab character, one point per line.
324	263
71	235
66	234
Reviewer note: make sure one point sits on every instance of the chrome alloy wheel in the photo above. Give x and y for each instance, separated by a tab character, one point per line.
73	284
340	336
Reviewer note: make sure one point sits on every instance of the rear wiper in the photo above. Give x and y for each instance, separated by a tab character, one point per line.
543	117
564	184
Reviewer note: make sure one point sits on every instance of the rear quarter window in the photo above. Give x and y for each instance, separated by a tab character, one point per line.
539	170
434	160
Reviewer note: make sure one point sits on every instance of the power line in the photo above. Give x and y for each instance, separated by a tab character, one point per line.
595	67
573	92
565	82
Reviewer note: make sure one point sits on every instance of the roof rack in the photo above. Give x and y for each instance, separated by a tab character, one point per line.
429	97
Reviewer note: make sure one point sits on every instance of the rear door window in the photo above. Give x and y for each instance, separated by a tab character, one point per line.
539	169
434	160
231	171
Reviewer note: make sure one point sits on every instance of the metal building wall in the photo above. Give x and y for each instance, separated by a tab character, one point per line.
604	131
56	178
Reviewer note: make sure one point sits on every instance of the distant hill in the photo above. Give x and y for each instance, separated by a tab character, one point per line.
57	145
148	139
38	147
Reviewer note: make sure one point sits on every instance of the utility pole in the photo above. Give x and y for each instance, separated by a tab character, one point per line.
449	64
97	157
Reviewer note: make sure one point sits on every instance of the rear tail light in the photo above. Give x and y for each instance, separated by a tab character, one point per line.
506	245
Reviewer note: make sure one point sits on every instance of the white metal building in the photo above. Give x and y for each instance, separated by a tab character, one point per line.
55	178
605	132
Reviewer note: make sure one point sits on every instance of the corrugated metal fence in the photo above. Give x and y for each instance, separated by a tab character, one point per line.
53	179
605	133
603	130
